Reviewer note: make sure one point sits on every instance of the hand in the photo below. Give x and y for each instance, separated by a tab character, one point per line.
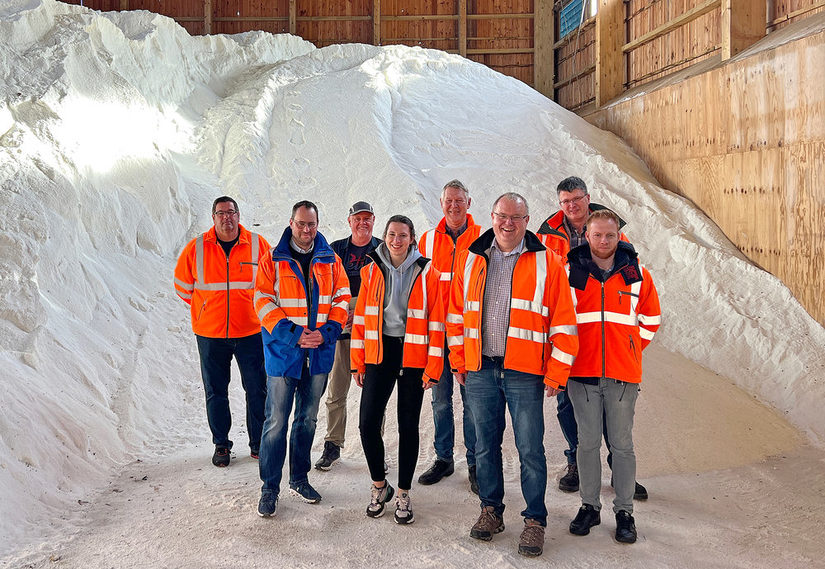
428	382
310	339
460	377
552	391
358	378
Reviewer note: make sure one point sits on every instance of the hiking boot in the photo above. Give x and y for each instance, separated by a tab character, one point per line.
403	509
255	453
473	479
305	492
531	542
268	503
489	523
221	457
331	454
379	497
587	517
570	481
640	493
625	527
437	471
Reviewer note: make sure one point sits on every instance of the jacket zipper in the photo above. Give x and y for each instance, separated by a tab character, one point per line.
603	334
227	289
633	347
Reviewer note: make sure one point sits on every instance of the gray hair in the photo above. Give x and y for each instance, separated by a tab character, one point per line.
455	184
513	196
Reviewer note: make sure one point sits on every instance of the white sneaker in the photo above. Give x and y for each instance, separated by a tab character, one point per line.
403	509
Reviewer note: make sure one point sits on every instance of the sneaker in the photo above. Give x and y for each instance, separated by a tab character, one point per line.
267	504
471	471
221	457
403	509
331	454
255	453
305	492
625	527
379	497
570	481
437	471
531	542
489	523
640	493
587	517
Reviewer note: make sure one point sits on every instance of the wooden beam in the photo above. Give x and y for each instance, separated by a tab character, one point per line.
610	36
543	43
743	24
502	51
462	28
376	22
293	17
565	82
792	15
207	16
420	17
124	5
671	25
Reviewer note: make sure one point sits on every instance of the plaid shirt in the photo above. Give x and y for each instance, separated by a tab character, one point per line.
495	318
575	239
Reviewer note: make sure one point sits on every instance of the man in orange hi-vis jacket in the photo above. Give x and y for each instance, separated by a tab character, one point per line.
301	296
215	276
617	310
511	331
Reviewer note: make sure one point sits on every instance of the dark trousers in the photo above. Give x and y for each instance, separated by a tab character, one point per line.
379	382
216	360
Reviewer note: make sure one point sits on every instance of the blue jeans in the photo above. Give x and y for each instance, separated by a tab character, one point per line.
445	421
489	390
216	360
567	422
306	392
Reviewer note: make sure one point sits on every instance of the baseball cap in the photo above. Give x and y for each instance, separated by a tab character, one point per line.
359	207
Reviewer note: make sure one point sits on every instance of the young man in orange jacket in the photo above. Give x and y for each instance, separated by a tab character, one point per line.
215	276
617	311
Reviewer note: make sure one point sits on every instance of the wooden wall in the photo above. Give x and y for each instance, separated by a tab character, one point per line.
746	143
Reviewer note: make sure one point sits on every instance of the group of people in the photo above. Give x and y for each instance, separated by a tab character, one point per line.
509	315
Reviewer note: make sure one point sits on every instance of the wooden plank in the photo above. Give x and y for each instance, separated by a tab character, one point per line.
124	5
376	22
500	51
790	16
610	35
462	28
743	24
575	77
671	25
207	16
543	29
293	17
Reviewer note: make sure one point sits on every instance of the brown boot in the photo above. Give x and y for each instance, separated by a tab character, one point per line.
489	523
531	542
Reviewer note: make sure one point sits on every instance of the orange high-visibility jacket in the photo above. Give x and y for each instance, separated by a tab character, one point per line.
218	288
617	318
439	246
424	334
553	233
541	337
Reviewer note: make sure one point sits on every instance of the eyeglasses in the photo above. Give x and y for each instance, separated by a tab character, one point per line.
565	203
514	218
301	225
224	213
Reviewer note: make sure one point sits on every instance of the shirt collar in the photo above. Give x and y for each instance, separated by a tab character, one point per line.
516	250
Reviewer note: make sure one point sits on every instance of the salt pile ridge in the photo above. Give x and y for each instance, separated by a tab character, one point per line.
116	132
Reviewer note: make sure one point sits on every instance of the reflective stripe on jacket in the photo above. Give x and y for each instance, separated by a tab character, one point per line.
424	335
617	318
281	304
439	246
553	233
541	336
218	288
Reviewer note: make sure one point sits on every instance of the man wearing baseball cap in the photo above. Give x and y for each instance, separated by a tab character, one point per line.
353	251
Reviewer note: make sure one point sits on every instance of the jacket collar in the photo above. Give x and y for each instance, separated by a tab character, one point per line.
482	245
554	225
442	225
581	264
212	235
321	252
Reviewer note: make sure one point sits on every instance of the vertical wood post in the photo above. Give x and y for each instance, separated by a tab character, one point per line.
124	5
462	28
610	37
376	22
293	17
207	16
544	36
743	24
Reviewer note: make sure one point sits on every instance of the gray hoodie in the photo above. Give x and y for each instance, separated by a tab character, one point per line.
397	290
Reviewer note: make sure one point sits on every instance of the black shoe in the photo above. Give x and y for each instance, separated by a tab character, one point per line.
221	457
570	481
437	471
255	453
471	470
625	527
331	454
587	517
267	504
640	493
305	492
